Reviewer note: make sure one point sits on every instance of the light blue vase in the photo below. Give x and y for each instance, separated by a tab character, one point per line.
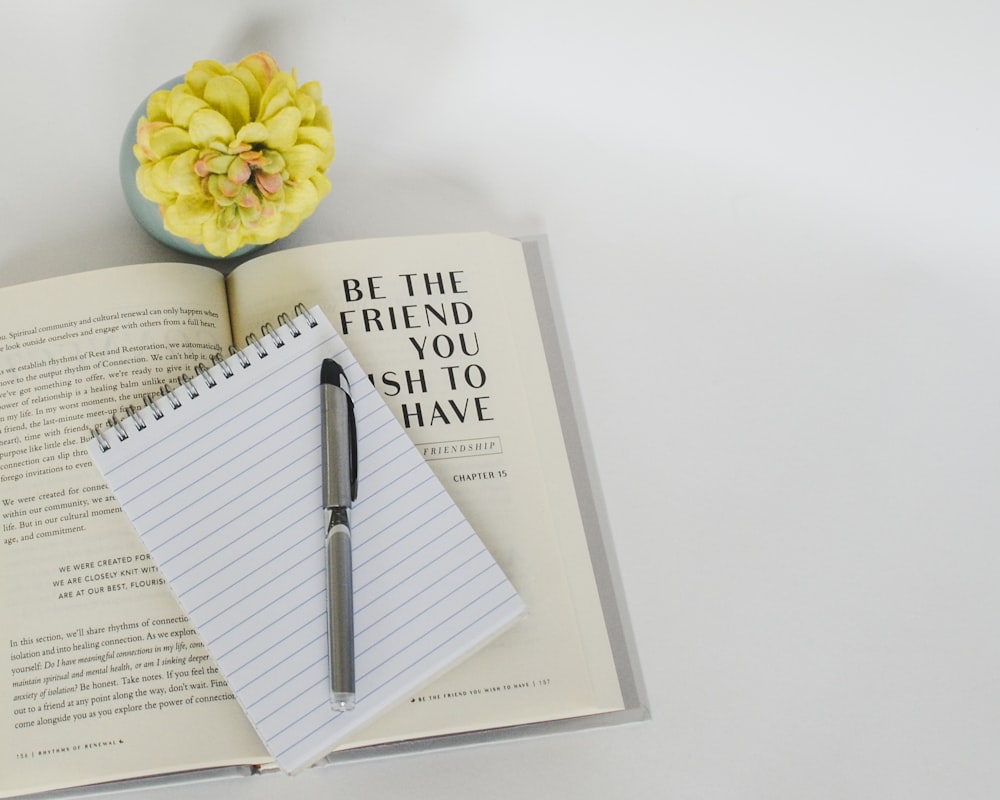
146	212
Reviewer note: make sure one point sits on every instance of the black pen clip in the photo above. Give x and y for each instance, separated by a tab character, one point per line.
352	429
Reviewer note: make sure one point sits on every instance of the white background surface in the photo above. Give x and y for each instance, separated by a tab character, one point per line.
774	228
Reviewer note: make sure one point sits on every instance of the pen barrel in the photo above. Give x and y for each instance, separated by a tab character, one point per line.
338	446
341	607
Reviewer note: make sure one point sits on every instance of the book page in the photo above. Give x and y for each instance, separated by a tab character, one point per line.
446	329
102	676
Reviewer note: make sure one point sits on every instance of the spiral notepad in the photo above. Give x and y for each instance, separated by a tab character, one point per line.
221	478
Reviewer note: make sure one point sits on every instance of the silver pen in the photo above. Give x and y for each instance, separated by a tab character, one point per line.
340	488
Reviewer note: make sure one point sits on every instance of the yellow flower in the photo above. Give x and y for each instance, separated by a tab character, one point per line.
235	155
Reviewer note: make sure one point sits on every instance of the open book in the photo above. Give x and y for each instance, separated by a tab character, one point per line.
105	679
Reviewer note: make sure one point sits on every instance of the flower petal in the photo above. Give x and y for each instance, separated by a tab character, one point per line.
323	118
248	198
182	104
283	128
306	105
208	126
262	66
188	215
148	188
223	190
219	164
315	135
300	200
168	141
239	171
277	96
159	179
302	160
249	216
321	139
271	161
313	89
322	184
201	73
143	131
228	96
183	178
252	85
156	106
266	225
217	240
253	133
269	185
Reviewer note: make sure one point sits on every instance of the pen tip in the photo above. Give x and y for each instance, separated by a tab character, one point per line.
343	701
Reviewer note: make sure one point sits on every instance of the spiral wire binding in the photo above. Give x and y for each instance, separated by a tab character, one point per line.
254	346
220	362
133	414
168	393
253	342
202	372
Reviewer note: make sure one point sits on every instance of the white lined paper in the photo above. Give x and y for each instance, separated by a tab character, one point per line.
225	492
